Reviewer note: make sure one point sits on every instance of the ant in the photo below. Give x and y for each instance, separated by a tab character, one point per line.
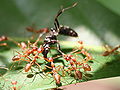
15	86
3	38
6	38
14	83
31	60
28	66
54	32
110	50
54	72
31	29
10	84
41	31
75	65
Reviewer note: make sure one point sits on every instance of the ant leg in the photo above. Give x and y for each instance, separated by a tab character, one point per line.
3	67
39	67
115	49
38	39
59	49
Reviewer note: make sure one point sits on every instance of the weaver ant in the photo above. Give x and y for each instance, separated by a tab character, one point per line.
28	50
75	65
11	84
54	72
110	50
14	83
3	38
15	86
41	31
26	57
28	66
54	32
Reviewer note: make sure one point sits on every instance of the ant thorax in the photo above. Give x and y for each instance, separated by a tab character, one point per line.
51	39
54	32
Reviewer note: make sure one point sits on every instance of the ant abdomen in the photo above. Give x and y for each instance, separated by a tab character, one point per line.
65	30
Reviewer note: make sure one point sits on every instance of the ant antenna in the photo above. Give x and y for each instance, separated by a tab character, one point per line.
56	23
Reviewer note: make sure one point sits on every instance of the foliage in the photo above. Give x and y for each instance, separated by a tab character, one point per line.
100	16
36	79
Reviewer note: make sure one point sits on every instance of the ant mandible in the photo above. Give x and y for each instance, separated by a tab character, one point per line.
54	32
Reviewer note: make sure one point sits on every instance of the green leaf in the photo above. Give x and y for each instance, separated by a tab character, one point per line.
102	67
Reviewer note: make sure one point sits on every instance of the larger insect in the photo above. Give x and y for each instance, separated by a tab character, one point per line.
54	32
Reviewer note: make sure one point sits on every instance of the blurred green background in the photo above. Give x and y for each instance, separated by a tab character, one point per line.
96	21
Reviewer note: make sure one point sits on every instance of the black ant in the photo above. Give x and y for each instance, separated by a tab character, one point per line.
54	32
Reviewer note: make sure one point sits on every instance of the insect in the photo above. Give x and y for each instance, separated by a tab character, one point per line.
41	32
51	39
75	65
3	38
28	66
14	83
25	54
3	44
31	29
10	84
86	67
6	38
110	50
78	74
26	57
54	72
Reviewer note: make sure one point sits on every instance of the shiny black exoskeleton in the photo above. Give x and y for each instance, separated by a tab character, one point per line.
65	30
51	39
